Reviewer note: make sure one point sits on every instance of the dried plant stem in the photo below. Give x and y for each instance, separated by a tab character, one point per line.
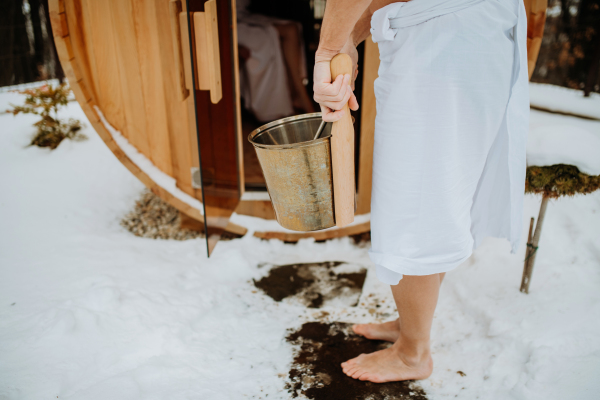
532	246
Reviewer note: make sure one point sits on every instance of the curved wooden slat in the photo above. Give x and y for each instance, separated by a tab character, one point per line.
320	235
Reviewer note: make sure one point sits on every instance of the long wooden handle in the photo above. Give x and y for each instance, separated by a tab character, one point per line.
342	153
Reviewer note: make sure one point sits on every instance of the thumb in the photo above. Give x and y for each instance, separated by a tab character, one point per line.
353	103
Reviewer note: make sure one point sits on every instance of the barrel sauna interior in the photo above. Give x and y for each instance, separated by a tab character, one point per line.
121	60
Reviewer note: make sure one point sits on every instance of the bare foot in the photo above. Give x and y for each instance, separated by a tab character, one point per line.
388	331
388	365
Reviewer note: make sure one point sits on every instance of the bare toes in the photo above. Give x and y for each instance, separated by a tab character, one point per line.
351	371
351	361
358	373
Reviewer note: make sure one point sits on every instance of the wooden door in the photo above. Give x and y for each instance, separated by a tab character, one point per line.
216	122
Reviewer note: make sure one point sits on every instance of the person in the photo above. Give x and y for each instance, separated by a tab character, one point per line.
449	149
273	71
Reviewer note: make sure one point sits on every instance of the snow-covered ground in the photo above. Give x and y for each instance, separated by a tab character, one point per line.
562	139
564	100
89	311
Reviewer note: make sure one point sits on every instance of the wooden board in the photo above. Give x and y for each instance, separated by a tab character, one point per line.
104	64
256	208
367	127
320	235
179	127
175	9
238	102
342	152
130	75
152	82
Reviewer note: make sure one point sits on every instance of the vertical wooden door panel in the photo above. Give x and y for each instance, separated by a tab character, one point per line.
176	107
103	59
79	47
146	29
130	75
367	127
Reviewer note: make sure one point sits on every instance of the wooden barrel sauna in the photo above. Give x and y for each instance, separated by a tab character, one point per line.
126	63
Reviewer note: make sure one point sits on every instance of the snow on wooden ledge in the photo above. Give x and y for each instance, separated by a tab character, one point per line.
560	139
564	100
142	162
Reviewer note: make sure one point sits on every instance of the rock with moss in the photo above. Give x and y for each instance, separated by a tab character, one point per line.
560	180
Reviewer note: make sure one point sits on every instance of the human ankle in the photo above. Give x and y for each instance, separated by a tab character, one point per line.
413	352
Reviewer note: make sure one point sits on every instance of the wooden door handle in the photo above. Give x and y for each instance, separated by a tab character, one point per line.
208	56
174	11
342	153
205	63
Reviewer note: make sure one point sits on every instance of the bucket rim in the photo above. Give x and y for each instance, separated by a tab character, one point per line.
282	121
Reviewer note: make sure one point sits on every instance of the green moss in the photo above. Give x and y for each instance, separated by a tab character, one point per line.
559	180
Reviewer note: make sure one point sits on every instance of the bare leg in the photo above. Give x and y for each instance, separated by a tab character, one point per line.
290	45
410	356
388	331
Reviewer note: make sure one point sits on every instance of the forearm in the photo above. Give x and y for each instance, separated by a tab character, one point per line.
342	19
362	29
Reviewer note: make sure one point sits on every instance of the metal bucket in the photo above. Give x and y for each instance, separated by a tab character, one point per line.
297	170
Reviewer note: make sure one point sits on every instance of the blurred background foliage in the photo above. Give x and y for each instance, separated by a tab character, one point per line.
570	52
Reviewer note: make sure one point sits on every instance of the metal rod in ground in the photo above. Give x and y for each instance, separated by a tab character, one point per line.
527	254
534	245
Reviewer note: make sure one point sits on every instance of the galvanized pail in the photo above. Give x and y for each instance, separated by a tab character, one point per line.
297	170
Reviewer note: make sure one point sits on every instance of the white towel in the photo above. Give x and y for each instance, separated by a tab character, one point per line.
450	132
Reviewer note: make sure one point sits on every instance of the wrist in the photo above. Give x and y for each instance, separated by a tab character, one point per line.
326	55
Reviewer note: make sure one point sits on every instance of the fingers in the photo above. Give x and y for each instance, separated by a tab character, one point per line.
353	103
355	76
333	111
334	91
338	102
330	115
333	96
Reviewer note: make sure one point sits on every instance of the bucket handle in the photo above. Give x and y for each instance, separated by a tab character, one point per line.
342	152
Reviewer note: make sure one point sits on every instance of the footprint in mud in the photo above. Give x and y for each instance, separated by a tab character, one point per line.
316	373
331	283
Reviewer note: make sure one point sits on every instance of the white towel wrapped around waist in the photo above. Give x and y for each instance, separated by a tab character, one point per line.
424	222
405	14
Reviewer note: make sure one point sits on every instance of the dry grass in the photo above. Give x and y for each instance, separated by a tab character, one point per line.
154	219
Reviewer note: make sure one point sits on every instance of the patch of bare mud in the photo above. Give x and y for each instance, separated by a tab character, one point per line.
316	373
314	285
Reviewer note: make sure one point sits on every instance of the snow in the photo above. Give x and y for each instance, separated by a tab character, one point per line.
559	139
89	311
163	180
564	100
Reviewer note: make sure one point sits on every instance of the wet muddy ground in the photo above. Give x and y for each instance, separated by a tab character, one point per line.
316	373
315	284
